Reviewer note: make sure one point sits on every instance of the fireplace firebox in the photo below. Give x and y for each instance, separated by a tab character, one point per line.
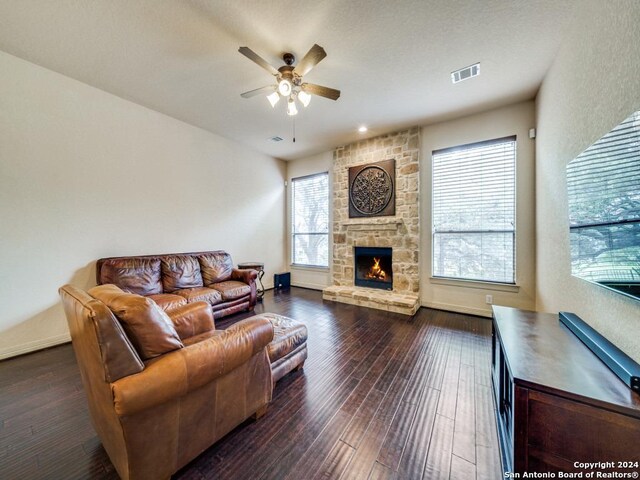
372	267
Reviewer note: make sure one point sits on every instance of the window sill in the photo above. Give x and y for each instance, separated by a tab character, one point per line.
500	287
314	268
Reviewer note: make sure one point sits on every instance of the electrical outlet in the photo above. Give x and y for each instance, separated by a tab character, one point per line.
489	299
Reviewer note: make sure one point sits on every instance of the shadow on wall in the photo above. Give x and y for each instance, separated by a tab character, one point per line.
84	277
47	327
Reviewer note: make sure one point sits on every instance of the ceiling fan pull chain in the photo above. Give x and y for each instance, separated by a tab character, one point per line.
294	129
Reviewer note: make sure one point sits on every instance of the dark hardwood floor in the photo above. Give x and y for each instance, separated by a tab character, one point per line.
381	396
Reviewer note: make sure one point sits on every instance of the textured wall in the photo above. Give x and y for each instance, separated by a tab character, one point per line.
404	236
591	87
85	174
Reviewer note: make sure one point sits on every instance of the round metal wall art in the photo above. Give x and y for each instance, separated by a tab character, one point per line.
371	190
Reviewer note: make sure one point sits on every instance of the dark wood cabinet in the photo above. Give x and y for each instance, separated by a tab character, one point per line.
556	402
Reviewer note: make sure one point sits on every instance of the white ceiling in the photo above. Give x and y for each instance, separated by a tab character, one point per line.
391	59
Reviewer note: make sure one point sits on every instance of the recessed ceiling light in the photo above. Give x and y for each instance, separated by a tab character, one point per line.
362	129
465	73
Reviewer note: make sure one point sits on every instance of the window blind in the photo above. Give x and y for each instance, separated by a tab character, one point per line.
474	211
603	186
310	222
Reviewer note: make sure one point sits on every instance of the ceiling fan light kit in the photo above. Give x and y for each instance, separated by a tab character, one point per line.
273	98
304	98
291	107
284	87
289	79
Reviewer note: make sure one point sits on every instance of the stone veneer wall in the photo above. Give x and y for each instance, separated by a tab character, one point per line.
402	231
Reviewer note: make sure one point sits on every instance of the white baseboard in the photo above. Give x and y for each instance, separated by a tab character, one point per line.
458	309
310	286
29	347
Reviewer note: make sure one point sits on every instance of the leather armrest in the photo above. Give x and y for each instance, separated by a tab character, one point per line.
176	373
247	276
192	319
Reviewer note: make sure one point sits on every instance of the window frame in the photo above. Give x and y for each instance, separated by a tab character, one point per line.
474	282
293	217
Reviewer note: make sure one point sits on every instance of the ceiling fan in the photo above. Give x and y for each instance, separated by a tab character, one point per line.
288	78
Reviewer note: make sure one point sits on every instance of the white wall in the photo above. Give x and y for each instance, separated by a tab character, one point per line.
592	86
310	277
469	297
85	174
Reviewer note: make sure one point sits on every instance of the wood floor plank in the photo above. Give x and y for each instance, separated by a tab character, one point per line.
380	472
449	392
461	469
365	456
488	463
438	462
464	436
378	398
413	457
363	416
313	459
336	462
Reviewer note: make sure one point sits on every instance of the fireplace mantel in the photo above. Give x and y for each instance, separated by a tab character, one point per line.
373	224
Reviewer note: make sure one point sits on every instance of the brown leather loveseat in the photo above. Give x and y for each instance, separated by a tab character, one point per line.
176	279
163	386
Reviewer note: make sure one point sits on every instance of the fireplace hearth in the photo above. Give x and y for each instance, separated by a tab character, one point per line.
373	267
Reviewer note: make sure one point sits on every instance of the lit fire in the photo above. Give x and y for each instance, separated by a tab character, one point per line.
375	271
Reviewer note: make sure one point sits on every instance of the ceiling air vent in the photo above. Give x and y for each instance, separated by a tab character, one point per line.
466	72
276	139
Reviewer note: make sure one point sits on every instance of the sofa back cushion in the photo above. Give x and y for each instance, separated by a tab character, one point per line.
180	271
148	327
216	267
135	274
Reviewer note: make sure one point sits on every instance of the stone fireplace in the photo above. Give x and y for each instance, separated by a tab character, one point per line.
399	233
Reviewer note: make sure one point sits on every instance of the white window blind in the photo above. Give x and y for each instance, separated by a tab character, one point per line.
310	222
474	211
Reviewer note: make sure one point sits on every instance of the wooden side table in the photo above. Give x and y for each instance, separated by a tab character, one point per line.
259	266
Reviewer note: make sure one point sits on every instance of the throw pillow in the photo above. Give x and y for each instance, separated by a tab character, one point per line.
149	328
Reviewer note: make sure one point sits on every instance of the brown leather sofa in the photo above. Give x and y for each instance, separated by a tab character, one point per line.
162	386
179	278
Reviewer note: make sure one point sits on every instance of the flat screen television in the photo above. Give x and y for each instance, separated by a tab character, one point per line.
603	184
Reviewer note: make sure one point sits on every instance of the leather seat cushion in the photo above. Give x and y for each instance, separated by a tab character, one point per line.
288	335
232	289
200	294
148	327
168	301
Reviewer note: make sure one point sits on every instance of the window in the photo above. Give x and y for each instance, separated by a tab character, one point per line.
310	222
474	211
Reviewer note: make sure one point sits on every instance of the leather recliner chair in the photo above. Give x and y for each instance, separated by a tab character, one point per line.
160	396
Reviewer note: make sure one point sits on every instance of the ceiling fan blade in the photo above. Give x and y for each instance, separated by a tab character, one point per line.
253	56
326	92
310	60
265	90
